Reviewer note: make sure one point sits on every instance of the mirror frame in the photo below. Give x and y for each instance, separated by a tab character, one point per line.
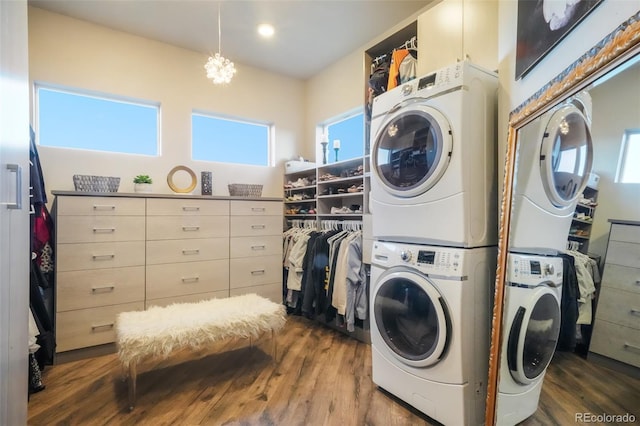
615	48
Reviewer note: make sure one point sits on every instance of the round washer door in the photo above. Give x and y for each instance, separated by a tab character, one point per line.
412	149
533	336
411	317
566	155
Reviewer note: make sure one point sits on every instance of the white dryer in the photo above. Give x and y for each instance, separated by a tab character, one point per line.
531	328
553	163
430	327
433	171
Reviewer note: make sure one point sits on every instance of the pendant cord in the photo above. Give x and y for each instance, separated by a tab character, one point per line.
219	31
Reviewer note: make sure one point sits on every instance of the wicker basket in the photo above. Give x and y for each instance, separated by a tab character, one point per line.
245	190
90	183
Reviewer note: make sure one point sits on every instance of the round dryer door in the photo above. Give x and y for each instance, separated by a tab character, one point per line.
566	155
412	149
412	318
533	336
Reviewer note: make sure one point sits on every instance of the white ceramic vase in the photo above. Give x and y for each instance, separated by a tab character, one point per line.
143	187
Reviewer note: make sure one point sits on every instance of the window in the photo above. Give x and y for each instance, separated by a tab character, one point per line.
349	130
628	171
68	118
228	140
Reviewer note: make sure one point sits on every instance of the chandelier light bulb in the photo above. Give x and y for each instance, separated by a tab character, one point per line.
219	69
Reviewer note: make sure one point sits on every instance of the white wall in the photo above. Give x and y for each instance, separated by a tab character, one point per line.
79	54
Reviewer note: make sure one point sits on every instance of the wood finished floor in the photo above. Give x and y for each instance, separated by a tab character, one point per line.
323	378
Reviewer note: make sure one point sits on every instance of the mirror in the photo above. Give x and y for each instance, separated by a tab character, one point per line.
572	126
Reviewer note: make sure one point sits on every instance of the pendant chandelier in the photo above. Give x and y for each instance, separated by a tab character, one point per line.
219	69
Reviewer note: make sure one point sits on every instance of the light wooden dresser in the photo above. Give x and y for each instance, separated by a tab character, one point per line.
119	252
616	334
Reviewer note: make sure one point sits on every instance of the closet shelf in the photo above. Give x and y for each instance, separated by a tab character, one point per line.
308	200
343	195
582	237
340	180
300	188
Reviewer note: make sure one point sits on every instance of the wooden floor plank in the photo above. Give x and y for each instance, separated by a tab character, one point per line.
322	378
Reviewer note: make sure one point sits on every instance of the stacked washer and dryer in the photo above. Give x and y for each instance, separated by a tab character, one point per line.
554	157
434	224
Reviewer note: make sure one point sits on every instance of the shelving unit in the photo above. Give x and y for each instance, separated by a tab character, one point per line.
580	231
300	194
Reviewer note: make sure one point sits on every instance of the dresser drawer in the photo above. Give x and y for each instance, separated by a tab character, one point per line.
619	307
93	229
272	292
179	279
101	206
621	277
622	253
186	207
177	227
99	287
255	271
266	245
617	342
189	298
625	233
256	208
80	256
89	327
247	226
194	250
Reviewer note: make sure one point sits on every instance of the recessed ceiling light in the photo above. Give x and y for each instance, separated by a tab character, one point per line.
266	30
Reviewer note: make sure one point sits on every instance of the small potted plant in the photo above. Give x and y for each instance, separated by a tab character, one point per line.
142	183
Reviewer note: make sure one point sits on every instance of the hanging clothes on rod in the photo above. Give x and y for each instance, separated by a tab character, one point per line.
403	66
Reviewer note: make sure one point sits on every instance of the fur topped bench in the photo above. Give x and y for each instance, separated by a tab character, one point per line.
160	331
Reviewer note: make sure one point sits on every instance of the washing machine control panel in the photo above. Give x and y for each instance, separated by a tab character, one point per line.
532	270
434	260
442	79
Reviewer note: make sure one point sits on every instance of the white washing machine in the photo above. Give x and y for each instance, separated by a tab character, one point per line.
553	163
430	327
531	328
433	151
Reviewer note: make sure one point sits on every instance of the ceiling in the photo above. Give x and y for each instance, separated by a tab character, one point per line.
310	35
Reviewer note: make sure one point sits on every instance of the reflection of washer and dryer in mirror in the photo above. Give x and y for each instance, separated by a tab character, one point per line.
532	309
434	224
554	157
554	160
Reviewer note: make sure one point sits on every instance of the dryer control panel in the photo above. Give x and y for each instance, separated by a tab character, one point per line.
532	270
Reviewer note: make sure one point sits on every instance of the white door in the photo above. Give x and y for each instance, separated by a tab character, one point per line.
14	212
412	149
411	317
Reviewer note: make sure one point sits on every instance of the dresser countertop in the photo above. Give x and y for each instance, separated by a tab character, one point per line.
156	195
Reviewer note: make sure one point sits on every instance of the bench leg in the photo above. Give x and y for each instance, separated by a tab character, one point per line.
132	385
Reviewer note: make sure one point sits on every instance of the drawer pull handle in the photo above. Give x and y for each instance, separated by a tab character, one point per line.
103	256
190	279
103	207
257	272
104	230
105	288
257	209
102	326
193	251
190	209
630	346
260	247
258	226
634	311
190	228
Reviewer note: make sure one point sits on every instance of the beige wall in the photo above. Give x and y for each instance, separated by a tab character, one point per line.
82	55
